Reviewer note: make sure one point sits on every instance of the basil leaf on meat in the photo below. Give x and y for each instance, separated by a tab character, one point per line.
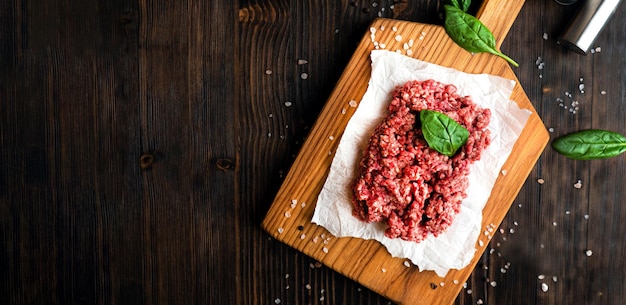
470	33
442	133
590	144
461	4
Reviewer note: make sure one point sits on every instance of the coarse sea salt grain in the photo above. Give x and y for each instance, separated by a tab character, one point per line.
352	103
540	63
544	287
578	184
589	252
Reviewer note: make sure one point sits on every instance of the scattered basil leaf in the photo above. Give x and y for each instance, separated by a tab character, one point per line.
590	144
442	133
470	33
461	4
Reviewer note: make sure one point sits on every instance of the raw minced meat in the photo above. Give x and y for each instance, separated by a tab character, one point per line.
413	188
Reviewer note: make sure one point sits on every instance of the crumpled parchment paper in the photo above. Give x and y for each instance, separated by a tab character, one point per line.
455	248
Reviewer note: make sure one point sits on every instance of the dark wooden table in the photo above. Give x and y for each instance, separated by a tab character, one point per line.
142	142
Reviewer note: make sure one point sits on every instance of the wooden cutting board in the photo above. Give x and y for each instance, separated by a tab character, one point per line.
366	261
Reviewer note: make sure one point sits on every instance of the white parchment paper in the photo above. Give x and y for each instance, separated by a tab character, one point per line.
455	248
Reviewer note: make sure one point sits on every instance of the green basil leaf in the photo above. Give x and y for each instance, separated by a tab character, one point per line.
442	133
471	34
461	4
590	144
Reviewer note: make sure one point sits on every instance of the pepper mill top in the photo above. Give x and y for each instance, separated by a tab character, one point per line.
588	23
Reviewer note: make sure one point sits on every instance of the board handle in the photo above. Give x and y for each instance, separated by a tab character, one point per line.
498	16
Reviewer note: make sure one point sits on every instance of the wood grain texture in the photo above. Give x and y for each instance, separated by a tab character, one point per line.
136	164
565	221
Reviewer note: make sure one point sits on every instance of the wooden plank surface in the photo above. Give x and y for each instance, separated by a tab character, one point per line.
368	262
143	141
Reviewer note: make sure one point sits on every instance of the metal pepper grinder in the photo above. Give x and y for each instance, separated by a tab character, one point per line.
589	21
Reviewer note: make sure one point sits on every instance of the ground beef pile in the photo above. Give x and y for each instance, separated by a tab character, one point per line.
403	182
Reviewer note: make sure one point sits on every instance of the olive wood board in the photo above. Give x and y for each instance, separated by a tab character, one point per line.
365	261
